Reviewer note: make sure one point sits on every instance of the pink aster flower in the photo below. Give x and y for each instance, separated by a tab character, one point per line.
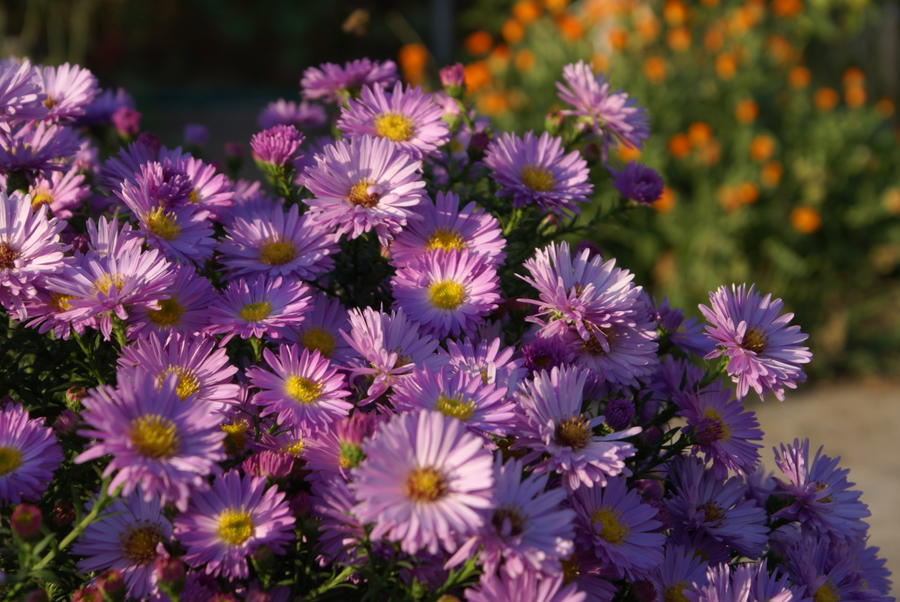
69	89
21	98
424	483
406	116
488	359
365	184
201	367
445	226
482	407
182	307
36	148
277	242
227	523
303	388
61	191
554	424
30	250
100	111
447	292
536	171
340	532
613	116
388	347
331	82
166	444
764	353
276	145
129	160
321	329
302	115
530	585
528	529
29	454
210	190
264	306
333	453
128	536
745	583
624	530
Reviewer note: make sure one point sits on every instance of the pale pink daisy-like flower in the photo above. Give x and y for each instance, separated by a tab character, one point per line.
533	586
182	308
365	184
334	452
447	292
406	116
488	359
36	147
425	482
321	329
69	89
62	191
302	115
264	306
331	82
445	226
20	96
303	388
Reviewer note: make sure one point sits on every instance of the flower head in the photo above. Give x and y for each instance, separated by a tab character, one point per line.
29	454
62	191
330	82
276	145
21	98
182	307
638	183
263	306
36	147
69	89
530	585
302	115
321	329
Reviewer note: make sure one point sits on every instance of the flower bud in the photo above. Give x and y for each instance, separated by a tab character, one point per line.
26	521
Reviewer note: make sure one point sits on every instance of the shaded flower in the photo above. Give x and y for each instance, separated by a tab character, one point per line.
638	183
61	191
68	90
36	148
29	454
530	585
321	329
21	99
182	307
301	115
331	82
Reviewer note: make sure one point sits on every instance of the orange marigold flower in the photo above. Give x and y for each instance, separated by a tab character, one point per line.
512	31
628	154
825	99
618	37
781	49
885	107
711	153
855	96
478	43
477	75
891	200
524	60
599	61
647	27
747	193
787	8
666	202
493	103
699	133
805	220
526	11
762	147
746	110
679	39
570	27
770	174
714	39
726	66
799	77
728	198
413	58
853	76
679	146
556	6
655	69
675	13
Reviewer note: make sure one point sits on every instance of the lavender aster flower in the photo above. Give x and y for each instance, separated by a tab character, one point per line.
303	388
264	306
339	530
447	292
68	89
424	482
363	185
336	451
276	145
182	307
21	98
166	444
29	454
613	116
535	171
638	183
301	115
486	359
36	147
679	573
227	523
330	82
321	329
407	117
746	583
764	352
62	192
530	585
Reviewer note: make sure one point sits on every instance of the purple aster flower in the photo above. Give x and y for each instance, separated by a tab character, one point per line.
443	225
200	365
277	242
210	190
127	122
182	307
68	89
553	423
62	192
302	115
745	583
424	483
453	76
321	329
722	429
679	573
486	359
30	250
536	171
166	444
29	454
763	351
330	82
613	116
128	536
337	450
21	98
264	306
530	585
340	533
703	503
622	528
638	183
276	145
447	292
303	388
820	493
36	147
275	465
685	333
406	116
482	407
546	353
100	111
227	523
527	530
146	149
365	184
823	568
388	347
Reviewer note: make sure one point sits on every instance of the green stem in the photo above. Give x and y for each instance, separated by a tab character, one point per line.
91	364
333	582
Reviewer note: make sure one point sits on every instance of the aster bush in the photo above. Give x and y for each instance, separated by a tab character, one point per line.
389	371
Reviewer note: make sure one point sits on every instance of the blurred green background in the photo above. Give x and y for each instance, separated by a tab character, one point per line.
773	121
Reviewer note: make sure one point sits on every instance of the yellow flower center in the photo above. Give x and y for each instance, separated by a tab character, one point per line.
359	195
255	312
154	436
425	485
318	339
235	436
235	527
302	390
607	523
455	407
49	102
537	178
60	302
445	238
826	593
296	448
675	592
394	127
573	432
446	294
41	196
10	459
106	282
168	314
187	383
162	223
139	544
277	252
754	340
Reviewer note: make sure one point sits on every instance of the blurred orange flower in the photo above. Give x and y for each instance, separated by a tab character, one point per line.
526	11
825	99
726	66
679	146
891	200
762	147
569	26
770	174
675	13
556	6
787	8
478	43
647	27
805	220
413	58
699	133
885	107
493	103
747	193
512	31
799	77
477	75
679	39
628	154
599	61
746	110
666	202
855	96
655	69
524	60
714	39
853	76
781	49
618	37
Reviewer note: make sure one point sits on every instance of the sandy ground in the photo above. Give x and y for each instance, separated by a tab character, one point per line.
861	424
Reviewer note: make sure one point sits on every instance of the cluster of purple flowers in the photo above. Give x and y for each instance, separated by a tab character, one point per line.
545	430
